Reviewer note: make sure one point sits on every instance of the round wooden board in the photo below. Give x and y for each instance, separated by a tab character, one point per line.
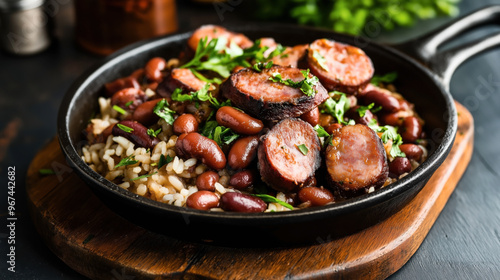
97	243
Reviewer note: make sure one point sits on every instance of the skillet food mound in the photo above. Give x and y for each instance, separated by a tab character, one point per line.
238	125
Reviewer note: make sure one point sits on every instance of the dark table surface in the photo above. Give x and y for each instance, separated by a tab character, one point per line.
464	243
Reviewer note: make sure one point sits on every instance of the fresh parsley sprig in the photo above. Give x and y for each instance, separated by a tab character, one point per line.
220	134
163	111
271	199
387	78
127	161
389	133
336	108
306	85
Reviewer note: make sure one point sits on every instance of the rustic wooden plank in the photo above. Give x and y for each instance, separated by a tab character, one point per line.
94	241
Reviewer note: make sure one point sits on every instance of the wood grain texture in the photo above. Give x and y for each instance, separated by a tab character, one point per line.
97	243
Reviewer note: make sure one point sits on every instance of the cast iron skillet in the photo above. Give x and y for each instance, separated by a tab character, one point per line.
426	87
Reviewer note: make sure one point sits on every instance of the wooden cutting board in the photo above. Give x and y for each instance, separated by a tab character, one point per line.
97	243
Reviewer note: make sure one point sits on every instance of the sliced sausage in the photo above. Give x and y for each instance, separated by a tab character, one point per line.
128	98
312	117
121	83
214	31
340	67
179	78
260	97
356	159
292	56
282	165
383	98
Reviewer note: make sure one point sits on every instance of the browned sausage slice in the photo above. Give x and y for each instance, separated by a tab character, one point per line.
338	66
214	31
264	99
282	163
291	56
356	159
179	78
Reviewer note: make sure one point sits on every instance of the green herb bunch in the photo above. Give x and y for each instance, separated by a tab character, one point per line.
351	16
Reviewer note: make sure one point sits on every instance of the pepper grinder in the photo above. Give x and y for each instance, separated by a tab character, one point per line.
25	28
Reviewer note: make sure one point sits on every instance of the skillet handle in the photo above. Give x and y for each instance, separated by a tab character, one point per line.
444	63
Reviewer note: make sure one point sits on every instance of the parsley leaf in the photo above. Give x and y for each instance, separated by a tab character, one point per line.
127	161
320	59
220	134
320	131
271	199
119	109
303	149
259	66
387	78
338	108
153	133
389	133
143	176
163	111
46	171
164	160
124	128
306	85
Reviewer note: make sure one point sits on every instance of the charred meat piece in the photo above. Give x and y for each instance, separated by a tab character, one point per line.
264	99
214	31
180	78
355	159
289	155
338	66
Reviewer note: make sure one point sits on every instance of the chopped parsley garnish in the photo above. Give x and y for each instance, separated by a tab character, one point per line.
303	149
220	134
320	131
127	161
321	60
216	56
164	160
163	111
362	109
389	133
129	103
143	176
153	133
201	95
271	199
387	78
119	109
124	128
337	108
259	66
46	171
306	85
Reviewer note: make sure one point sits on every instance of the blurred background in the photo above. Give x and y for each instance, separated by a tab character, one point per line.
46	45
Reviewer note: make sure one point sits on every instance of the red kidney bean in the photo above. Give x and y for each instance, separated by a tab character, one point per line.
239	202
243	152
138	135
388	102
411	129
185	123
412	151
399	166
393	119
242	179
153	69
202	200
312	117
334	126
132	96
316	196
119	84
206	181
198	146
353	113
144	113
238	121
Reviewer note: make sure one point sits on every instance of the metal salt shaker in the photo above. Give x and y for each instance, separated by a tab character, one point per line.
25	28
